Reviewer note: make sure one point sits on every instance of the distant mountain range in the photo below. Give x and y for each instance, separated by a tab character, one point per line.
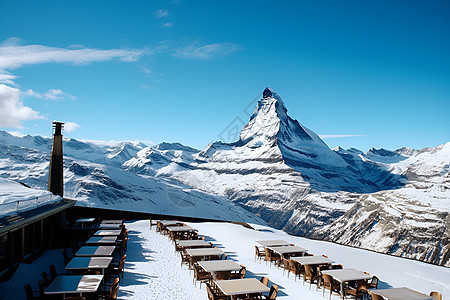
395	202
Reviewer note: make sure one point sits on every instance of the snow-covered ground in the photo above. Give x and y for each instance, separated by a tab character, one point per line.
153	271
15	196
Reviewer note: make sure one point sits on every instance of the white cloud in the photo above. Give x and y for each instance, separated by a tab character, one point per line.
12	110
167	25
70	126
206	52
161	13
332	136
51	94
14	55
7	78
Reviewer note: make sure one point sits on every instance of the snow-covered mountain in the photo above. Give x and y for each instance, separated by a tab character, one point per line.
283	172
93	175
393	202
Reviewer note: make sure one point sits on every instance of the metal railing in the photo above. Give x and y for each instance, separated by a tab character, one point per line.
25	204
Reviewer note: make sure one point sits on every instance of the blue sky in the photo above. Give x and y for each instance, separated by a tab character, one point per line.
188	70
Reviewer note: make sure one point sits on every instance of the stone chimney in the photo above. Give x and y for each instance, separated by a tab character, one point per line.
55	175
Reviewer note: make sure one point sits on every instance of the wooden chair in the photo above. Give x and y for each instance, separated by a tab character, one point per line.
273	292
436	295
330	284
214	294
337	267
199	275
373	283
269	256
296	269
264	280
360	291
223	275
240	274
29	292
66	257
45	279
185	258
52	272
118	270
110	294
258	254
286	266
311	275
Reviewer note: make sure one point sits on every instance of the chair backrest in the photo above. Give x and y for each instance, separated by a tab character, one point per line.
113	286
66	257
45	277
273	291
121	265
225	256
436	295
264	280
308	271
29	292
327	281
374	281
52	272
267	252
243	271
293	266
337	267
41	289
257	251
113	294
286	263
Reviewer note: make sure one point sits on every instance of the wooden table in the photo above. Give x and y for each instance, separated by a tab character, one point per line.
203	252
85	220
401	293
107	233
192	243
219	265
269	243
313	260
215	266
95	251
181	229
243	286
287	250
108	240
83	263
110	226
344	275
177	232
120	222
171	223
77	284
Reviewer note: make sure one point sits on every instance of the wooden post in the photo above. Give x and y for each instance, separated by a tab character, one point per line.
22	250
